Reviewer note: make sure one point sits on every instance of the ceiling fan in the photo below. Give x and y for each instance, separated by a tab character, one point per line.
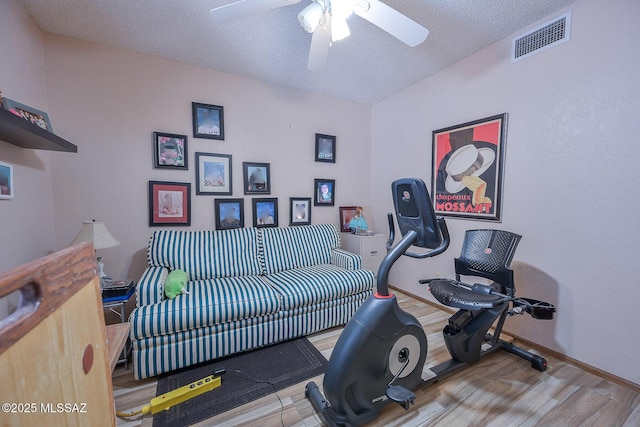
327	21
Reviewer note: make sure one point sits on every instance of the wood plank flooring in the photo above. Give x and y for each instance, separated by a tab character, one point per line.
501	390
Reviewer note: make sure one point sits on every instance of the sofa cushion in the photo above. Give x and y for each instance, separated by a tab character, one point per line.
319	283
294	247
206	254
209	302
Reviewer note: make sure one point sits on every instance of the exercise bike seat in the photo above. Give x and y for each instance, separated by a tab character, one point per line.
451	294
487	254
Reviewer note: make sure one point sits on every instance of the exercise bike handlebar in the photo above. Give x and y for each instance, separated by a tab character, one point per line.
390	259
401	249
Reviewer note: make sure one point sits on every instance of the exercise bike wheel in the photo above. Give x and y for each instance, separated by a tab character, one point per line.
405	346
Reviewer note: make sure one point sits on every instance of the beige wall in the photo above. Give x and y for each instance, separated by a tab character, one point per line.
26	222
110	101
570	190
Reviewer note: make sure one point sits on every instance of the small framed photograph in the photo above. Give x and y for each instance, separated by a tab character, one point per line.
169	203
37	117
325	148
265	212
325	190
213	174
300	211
229	213
6	181
170	151
346	213
257	178
208	121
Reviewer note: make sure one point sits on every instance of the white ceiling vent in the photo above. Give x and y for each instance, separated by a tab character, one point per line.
547	35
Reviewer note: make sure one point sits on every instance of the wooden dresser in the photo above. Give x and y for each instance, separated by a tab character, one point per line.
54	366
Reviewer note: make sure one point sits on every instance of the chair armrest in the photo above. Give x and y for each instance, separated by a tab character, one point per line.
151	286
346	260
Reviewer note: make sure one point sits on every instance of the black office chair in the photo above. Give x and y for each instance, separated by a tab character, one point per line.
487	254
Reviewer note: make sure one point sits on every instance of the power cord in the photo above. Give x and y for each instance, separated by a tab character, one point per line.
165	404
222	371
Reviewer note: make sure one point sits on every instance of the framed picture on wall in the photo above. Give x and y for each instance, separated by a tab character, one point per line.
257	178
229	213
6	181
346	213
325	148
37	117
169	203
170	151
299	210
265	212
213	174
208	121
325	191
468	163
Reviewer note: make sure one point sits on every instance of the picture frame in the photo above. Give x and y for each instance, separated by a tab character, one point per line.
265	212
169	203
256	178
346	213
325	192
229	213
299	211
325	148
6	181
214	174
208	121
30	114
468	168
170	151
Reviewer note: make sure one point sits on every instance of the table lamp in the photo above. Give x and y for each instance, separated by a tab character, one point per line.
96	232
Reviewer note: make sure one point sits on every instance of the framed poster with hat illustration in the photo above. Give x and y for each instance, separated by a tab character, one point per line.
468	163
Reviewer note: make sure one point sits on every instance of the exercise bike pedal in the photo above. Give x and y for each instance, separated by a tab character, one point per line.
401	396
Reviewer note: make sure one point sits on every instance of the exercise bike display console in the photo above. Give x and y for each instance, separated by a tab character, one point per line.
380	357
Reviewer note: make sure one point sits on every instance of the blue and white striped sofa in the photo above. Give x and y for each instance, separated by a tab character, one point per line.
248	288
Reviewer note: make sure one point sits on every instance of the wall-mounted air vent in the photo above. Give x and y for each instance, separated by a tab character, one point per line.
547	35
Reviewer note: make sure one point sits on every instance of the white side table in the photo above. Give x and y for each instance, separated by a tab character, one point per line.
372	248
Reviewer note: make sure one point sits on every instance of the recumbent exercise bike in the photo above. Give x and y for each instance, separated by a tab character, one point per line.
380	356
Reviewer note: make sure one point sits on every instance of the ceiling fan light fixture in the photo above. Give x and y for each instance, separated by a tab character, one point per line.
342	8
361	6
311	16
339	29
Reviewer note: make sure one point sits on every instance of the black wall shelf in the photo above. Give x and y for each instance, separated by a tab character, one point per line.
17	131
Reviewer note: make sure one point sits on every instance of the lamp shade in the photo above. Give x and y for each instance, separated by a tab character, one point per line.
96	232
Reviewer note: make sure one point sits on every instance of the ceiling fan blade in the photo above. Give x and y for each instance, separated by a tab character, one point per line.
393	22
242	8
320	42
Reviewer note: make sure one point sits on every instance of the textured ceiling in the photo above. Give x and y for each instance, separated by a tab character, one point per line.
366	67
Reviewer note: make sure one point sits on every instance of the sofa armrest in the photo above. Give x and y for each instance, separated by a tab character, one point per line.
151	286
344	259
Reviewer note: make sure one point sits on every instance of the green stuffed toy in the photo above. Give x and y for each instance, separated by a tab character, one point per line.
175	284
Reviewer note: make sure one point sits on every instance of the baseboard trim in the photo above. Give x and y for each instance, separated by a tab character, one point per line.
542	349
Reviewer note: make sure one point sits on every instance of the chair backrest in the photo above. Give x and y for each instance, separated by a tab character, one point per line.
488	254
